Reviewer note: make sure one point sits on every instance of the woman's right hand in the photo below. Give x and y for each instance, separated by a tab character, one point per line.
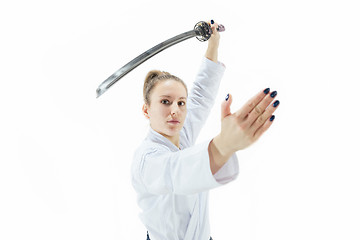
241	129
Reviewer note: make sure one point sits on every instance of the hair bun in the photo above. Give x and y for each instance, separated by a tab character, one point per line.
152	78
152	74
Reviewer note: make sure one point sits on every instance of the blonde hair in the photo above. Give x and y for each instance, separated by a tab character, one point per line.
155	76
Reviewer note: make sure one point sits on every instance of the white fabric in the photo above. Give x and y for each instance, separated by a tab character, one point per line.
172	185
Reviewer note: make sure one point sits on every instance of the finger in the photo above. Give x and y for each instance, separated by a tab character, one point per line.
260	131
251	104
214	26
260	107
265	116
225	106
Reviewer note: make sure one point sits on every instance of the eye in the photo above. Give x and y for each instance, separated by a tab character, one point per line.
165	101
181	103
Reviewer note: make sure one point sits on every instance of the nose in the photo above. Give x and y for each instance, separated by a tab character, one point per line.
175	109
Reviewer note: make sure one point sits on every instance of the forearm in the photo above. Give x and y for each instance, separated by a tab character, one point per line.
213	45
212	52
217	156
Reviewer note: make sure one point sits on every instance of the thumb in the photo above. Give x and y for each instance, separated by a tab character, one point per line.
225	106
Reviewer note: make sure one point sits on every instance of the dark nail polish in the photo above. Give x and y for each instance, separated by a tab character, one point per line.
272	118
266	91
273	94
276	103
212	21
227	97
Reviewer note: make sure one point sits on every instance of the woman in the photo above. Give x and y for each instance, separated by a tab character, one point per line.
170	174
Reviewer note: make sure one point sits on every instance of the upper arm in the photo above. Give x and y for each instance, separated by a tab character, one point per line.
202	97
181	172
155	172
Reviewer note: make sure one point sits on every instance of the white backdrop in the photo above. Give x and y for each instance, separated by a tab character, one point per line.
65	155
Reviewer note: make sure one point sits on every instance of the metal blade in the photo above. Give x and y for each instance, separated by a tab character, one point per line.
103	87
202	31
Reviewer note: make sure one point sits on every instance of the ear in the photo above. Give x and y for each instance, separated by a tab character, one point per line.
145	111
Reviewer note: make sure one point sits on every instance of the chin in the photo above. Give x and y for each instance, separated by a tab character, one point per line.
169	131
172	131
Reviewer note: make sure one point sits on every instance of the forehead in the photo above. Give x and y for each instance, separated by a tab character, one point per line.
170	88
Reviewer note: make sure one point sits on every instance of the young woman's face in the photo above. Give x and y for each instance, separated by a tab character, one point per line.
167	110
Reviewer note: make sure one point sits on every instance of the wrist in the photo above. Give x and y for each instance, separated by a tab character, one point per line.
212	55
221	148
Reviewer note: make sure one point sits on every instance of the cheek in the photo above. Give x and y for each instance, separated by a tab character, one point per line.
162	110
184	111
159	112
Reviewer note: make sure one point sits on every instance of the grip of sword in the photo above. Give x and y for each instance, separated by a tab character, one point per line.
220	28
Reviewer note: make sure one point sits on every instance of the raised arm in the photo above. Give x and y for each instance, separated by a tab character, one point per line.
204	90
213	44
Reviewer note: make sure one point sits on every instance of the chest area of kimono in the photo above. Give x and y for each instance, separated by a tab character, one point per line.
187	204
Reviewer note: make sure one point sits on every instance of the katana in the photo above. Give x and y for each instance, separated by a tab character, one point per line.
202	31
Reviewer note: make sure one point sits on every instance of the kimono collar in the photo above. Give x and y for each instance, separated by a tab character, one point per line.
158	138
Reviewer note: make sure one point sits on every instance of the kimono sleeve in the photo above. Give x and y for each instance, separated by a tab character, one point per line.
202	97
229	172
182	172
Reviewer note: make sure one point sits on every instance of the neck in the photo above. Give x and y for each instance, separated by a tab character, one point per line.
174	139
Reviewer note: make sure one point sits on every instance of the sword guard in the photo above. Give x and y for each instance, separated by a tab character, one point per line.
203	30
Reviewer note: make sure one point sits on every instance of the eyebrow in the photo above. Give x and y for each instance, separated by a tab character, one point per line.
171	97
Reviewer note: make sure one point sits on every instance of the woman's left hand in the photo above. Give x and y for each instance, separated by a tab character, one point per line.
213	43
215	37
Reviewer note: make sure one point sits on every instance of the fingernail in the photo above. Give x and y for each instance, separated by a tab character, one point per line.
212	21
227	97
273	94
272	118
266	91
276	103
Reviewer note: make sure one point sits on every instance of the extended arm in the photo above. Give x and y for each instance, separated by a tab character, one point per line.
242	128
182	172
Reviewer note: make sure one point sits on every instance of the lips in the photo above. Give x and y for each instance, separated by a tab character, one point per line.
174	121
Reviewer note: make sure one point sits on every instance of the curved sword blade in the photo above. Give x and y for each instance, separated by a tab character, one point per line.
104	86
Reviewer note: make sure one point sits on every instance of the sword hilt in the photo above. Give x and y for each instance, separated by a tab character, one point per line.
203	30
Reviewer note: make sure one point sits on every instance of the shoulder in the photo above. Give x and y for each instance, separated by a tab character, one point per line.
148	147
146	150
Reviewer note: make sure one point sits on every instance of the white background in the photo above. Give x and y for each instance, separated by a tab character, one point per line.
65	156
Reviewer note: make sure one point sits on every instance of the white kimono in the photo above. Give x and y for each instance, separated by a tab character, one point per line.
172	185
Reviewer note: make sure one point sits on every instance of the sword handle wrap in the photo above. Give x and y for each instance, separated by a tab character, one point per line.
220	28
